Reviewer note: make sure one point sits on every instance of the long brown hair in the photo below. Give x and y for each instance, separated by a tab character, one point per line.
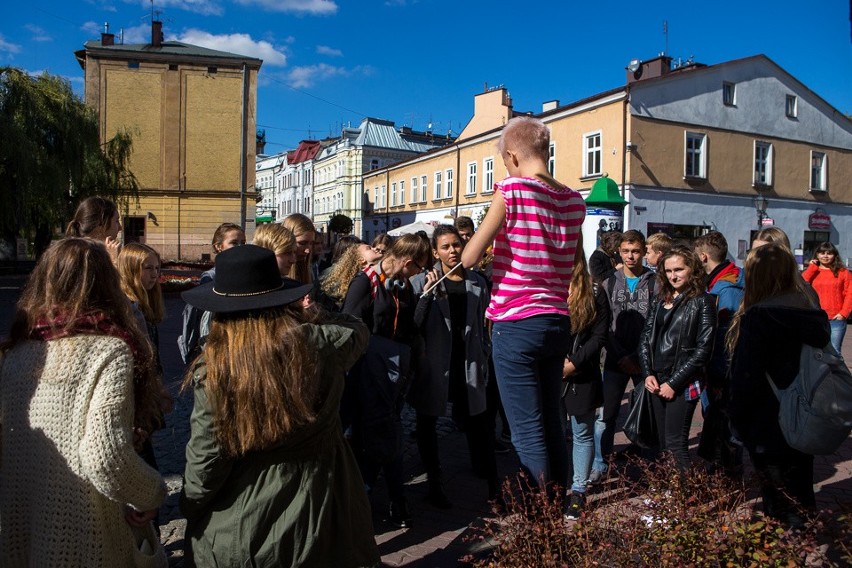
581	297
301	224
770	271
261	377
130	261
695	286
837	264
74	278
93	214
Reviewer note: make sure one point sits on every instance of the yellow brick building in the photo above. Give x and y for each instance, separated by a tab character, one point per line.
192	112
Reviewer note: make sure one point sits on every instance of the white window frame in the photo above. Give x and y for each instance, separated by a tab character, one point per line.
729	93
695	155
438	186
763	157
415	189
393	194
449	181
819	174
592	151
384	196
402	192
376	200
791	106
424	186
471	179
488	175
551	161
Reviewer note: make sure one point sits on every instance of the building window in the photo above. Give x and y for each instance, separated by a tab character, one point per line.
374	165
471	179
383	196
488	177
376	199
436	192
134	230
393	194
729	93
414	190
551	161
792	106
212	70
449	183
762	163
592	150
818	179
423	185
696	157
402	193
132	64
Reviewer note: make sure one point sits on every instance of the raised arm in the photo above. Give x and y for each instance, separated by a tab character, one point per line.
488	229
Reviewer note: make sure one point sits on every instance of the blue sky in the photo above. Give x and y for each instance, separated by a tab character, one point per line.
328	63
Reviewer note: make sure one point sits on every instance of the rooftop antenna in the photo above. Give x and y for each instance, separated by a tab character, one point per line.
106	27
665	33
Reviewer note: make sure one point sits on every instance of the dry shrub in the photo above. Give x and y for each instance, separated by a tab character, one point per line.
659	517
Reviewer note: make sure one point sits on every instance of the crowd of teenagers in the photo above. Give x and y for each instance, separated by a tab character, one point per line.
300	365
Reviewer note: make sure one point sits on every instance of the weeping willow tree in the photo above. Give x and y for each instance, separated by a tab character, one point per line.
51	157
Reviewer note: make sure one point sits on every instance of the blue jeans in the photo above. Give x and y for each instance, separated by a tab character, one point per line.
583	427
838	330
614	386
528	357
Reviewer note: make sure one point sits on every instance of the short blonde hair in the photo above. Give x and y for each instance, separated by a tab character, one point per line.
526	136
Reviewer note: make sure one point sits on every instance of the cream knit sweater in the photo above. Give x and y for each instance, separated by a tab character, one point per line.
67	464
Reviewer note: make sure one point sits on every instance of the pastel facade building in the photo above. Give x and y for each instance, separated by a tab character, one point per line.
192	112
692	148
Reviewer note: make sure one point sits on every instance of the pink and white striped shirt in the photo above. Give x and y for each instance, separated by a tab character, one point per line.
534	250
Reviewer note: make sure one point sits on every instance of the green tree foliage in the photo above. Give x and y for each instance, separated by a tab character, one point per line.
51	156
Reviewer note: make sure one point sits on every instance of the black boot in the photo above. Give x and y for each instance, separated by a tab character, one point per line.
398	514
436	497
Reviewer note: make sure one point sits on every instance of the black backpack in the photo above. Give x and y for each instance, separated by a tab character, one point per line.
816	409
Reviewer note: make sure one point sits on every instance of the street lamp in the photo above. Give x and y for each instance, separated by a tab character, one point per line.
760	205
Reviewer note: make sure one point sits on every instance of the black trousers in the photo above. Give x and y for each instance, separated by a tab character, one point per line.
674	419
480	442
786	483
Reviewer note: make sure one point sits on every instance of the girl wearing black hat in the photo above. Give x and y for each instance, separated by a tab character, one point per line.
267	465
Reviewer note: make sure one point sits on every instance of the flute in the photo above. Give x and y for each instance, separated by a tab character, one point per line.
435	285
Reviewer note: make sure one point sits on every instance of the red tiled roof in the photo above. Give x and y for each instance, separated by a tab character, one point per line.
307	150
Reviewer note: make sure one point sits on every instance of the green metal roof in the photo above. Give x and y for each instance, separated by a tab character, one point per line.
605	192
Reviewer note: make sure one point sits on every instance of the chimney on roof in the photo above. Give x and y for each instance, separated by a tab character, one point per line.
156	33
549	105
106	37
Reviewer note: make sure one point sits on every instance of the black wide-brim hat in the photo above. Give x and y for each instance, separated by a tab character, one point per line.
246	279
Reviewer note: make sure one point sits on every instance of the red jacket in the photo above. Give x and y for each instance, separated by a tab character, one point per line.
835	292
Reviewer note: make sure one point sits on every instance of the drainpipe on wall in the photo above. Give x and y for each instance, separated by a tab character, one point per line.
624	140
243	148
387	203
457	181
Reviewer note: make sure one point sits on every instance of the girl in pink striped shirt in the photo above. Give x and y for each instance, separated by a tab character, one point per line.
534	222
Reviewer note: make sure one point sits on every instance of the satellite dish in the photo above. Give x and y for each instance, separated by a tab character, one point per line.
633	66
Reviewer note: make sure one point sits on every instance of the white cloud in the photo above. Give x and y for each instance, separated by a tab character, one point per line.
92	28
330	51
241	44
11	48
315	7
307	76
204	7
136	34
38	33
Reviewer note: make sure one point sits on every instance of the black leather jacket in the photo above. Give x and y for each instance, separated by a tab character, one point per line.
689	330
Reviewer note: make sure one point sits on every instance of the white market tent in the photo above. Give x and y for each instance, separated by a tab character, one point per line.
412	228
